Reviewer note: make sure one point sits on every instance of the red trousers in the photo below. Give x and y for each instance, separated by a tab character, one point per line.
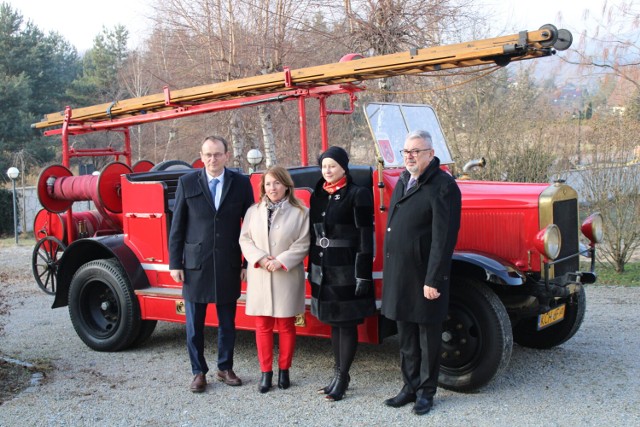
264	341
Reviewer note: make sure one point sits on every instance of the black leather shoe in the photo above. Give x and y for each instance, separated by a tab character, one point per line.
400	400
265	382
342	384
423	405
283	379
332	383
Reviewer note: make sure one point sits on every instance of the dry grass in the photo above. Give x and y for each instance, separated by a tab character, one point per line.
23	240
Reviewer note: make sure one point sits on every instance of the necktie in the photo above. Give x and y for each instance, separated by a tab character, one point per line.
410	184
213	185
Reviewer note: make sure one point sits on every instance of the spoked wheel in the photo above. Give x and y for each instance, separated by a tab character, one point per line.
44	262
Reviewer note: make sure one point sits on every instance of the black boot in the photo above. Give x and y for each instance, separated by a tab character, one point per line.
283	379
332	383
341	386
265	382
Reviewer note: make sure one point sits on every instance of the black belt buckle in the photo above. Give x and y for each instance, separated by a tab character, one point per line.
324	242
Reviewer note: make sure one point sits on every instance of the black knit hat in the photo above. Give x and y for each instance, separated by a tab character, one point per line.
338	154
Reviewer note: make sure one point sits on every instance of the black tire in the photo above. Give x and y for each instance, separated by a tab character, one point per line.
146	329
171	165
476	337
44	263
525	332
103	307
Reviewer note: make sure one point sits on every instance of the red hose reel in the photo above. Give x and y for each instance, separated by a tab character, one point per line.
58	189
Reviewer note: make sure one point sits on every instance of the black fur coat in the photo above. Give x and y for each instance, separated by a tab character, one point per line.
344	218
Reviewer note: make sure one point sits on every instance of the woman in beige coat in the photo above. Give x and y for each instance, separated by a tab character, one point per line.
275	240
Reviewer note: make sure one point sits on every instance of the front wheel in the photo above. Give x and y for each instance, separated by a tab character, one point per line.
526	331
103	307
476	337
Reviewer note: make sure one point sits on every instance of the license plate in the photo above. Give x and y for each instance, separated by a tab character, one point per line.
551	317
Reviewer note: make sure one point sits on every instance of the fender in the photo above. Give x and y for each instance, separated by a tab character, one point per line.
83	251
487	268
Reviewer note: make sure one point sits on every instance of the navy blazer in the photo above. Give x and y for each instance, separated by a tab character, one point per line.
203	240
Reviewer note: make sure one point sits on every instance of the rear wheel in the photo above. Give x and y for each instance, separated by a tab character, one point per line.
103	307
44	263
476	337
526	331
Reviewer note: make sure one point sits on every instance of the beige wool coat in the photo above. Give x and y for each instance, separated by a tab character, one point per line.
281	293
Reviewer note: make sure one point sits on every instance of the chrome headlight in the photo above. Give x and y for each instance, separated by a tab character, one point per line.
549	241
593	228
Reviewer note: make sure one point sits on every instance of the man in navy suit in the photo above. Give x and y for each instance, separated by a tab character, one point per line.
205	256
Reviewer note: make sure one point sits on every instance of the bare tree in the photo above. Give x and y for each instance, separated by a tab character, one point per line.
194	43
380	27
612	186
222	40
609	46
273	21
609	53
138	83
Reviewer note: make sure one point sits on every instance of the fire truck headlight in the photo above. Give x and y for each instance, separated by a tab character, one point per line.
549	241
593	228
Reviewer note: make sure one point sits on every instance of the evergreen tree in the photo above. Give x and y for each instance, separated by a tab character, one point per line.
35	71
101	66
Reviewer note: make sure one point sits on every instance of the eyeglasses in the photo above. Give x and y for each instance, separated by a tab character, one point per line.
216	156
413	153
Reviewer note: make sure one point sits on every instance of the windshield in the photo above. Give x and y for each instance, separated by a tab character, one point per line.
390	124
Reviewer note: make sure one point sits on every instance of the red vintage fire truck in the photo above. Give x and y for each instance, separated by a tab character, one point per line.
515	274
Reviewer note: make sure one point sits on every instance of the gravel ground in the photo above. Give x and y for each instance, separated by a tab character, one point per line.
594	379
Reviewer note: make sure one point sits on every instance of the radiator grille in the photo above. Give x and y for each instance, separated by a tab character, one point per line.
565	216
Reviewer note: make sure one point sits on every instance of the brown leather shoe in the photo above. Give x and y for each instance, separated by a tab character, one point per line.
199	383
229	377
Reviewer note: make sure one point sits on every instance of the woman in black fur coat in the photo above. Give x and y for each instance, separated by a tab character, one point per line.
340	261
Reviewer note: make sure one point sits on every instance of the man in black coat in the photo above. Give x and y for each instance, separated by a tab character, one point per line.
205	255
422	230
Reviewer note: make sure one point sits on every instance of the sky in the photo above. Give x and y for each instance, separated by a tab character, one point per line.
532	15
79	21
